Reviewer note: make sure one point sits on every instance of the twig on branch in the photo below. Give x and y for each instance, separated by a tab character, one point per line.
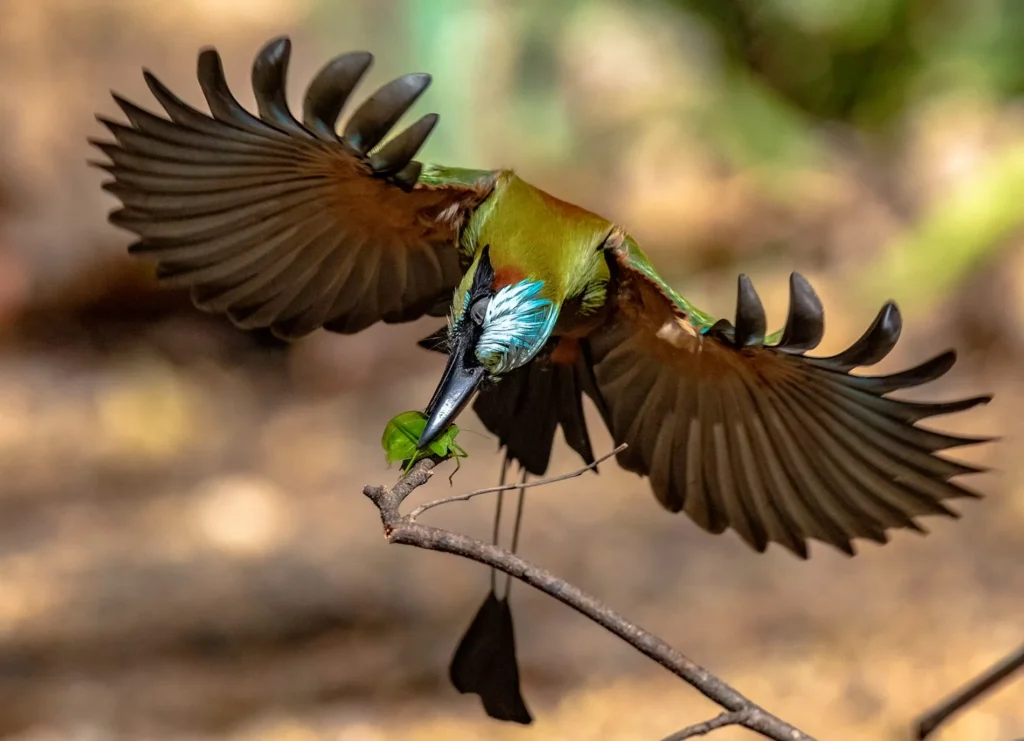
969	692
403	529
730	718
508	487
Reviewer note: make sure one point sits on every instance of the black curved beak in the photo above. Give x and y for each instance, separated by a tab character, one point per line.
463	374
461	379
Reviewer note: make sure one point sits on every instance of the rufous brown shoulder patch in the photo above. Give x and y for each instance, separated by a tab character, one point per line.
506	276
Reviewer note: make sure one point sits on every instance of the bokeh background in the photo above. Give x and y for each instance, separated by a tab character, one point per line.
184	549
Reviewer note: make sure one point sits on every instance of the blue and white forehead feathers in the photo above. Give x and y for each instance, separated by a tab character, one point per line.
511	324
516	325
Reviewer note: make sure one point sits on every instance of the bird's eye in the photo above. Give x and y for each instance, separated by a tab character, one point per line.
478	310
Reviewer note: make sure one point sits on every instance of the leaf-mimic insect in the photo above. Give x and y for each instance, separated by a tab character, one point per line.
403	432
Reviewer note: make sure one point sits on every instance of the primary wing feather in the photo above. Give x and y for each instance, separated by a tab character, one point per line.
779	446
283	223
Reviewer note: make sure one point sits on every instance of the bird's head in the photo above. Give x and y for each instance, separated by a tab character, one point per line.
491	332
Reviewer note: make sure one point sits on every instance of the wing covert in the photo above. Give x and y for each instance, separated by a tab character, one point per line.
285	224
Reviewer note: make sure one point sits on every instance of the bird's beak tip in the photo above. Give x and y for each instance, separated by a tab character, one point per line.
431	431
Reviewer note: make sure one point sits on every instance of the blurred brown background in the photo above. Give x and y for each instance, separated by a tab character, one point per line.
184	549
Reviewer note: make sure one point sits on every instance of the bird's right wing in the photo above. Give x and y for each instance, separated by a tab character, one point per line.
743	430
285	224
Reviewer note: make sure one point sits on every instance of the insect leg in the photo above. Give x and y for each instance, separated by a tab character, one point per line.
458	462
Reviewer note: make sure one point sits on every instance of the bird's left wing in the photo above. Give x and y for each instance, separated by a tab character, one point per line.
285	224
746	431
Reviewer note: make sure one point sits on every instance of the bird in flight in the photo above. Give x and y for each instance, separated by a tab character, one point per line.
285	224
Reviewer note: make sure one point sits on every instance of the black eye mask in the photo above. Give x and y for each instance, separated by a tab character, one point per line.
483	277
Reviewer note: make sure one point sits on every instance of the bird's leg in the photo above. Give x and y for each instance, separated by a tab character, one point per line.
515	530
496	531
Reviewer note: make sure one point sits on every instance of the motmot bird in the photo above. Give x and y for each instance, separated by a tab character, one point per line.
288	225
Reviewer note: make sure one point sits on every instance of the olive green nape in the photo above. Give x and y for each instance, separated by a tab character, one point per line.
534	235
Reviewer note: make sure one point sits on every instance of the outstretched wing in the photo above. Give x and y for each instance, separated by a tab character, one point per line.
285	224
759	437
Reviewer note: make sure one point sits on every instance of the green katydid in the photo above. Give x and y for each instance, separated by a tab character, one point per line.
402	433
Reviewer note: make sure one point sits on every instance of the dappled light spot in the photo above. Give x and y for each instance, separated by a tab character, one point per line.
147	415
25	597
246	516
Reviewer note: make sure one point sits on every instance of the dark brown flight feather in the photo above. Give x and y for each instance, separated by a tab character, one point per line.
778	446
285	224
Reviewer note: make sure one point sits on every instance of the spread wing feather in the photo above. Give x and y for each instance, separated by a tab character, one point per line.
283	223
742	430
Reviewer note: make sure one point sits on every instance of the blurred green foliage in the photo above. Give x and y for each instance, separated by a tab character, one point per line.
867	64
865	61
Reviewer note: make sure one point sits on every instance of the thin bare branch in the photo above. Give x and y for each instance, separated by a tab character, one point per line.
403	529
509	487
731	718
969	692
